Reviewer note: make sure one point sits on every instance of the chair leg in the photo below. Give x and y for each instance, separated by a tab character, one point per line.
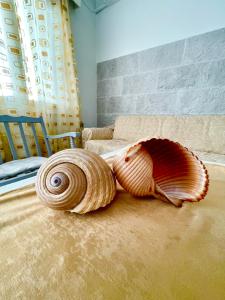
72	144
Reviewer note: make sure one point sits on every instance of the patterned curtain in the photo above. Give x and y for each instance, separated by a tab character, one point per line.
37	68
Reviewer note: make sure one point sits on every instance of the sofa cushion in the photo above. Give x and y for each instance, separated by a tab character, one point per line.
201	133
207	157
132	128
16	167
104	146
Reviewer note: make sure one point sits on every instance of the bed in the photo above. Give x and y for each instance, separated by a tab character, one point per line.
132	249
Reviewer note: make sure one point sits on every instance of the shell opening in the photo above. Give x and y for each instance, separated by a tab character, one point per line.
58	183
66	185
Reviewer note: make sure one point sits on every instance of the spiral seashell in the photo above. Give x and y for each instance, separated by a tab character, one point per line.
162	168
75	180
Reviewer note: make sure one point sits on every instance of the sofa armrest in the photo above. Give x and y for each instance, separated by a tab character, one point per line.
105	133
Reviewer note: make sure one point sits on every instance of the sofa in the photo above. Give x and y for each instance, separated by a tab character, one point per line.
202	134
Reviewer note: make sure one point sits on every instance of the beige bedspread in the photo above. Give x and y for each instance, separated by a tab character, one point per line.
133	249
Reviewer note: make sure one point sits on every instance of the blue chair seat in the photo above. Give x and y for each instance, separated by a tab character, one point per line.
20	166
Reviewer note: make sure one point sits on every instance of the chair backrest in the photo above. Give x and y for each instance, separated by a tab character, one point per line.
5	119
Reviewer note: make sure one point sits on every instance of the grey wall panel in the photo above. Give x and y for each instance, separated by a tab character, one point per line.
183	77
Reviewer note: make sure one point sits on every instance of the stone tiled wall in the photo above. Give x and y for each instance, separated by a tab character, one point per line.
183	77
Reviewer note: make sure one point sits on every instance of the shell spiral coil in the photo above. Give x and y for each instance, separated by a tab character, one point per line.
162	168
75	180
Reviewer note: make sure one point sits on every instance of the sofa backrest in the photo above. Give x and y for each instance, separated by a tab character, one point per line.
201	133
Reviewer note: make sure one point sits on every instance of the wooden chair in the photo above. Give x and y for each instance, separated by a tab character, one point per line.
19	169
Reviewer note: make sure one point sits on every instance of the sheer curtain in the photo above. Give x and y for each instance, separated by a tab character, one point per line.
37	67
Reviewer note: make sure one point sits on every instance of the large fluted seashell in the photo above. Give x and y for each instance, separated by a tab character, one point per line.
161	168
75	180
